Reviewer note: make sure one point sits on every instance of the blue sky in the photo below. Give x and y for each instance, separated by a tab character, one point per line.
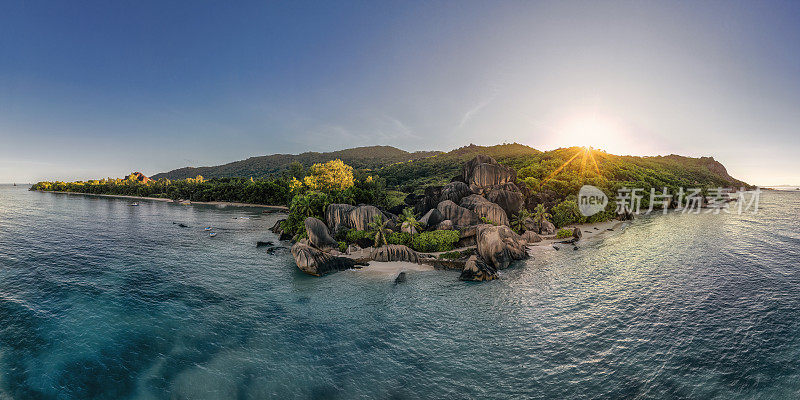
95	89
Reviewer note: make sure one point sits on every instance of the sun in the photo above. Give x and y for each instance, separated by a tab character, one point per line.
594	131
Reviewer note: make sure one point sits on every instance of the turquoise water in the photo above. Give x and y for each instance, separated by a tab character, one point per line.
102	300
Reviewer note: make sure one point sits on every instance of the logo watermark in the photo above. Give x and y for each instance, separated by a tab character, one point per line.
592	200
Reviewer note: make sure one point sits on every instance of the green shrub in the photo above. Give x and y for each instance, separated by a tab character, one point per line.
353	235
434	241
450	255
403	238
342	247
488	221
302	206
564	233
566	213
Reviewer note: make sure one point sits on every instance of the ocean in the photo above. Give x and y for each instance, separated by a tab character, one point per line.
99	299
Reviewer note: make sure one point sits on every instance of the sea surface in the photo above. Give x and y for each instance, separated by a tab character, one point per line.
99	299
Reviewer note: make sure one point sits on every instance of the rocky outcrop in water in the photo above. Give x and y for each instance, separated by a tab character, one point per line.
477	270
395	252
318	235
316	262
460	216
499	245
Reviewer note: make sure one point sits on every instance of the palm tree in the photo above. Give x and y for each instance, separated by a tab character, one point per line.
518	221
408	216
539	215
379	229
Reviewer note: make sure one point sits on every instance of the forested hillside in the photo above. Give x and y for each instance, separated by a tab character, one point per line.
370	157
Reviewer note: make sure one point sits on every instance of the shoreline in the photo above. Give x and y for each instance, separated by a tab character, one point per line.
185	202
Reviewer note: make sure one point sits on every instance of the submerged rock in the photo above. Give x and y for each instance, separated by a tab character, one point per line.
395	252
318	235
401	277
316	262
477	270
499	245
262	244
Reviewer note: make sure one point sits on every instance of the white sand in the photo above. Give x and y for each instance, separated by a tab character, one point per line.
588	230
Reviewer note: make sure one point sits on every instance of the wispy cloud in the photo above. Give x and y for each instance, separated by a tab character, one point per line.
474	110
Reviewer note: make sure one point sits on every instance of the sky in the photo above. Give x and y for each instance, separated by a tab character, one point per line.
98	89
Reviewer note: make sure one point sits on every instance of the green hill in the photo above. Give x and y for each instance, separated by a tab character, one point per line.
370	157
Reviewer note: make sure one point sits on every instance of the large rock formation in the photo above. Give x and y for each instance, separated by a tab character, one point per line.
360	217
477	270
473	200
432	218
484	171
395	252
318	235
459	215
499	246
491	212
512	202
336	216
547	228
454	192
445	225
531	237
315	262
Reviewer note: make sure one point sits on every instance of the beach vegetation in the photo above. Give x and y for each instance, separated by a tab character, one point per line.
434	241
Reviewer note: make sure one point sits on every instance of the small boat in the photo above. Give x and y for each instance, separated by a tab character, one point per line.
208	228
134	204
212	234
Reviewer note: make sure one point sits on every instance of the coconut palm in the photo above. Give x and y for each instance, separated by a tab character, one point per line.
539	215
518	221
378	228
408	217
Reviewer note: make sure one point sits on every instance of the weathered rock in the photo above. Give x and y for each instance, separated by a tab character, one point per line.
531	237
491	212
467	236
511	202
477	270
407	228
336	216
459	215
576	233
316	262
499	246
277	228
473	200
431	218
429	200
484	171
445	225
318	235
360	217
547	228
262	244
401	277
395	252
455	191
